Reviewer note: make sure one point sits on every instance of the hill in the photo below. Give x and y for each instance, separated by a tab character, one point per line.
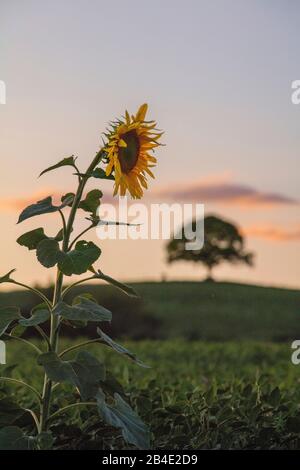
208	311
223	311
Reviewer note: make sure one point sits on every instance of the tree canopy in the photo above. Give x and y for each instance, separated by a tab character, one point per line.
223	242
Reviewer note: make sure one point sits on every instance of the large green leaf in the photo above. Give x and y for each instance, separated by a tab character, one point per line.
47	252
44	206
32	238
121	415
119	349
7	315
68	161
84	372
84	310
91	201
6	277
12	438
80	259
39	314
123	287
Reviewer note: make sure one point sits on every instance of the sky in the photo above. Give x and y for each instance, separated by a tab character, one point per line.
217	77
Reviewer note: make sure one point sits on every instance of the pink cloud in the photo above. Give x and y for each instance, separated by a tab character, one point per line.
211	189
272	232
224	191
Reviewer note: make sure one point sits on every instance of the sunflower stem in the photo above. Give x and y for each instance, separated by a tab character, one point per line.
57	296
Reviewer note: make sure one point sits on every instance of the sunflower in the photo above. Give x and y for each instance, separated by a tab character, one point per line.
128	152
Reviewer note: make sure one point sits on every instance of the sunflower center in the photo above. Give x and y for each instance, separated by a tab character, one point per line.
128	156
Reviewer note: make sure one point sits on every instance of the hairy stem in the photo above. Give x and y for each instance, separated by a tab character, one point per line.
24	384
77	346
63	222
76	284
73	405
43	334
80	235
35	418
22	340
55	320
35	291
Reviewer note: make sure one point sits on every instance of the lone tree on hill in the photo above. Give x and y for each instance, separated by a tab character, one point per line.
223	242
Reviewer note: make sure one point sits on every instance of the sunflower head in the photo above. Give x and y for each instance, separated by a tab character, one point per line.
130	144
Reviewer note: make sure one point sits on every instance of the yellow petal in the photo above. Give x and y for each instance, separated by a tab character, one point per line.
122	143
109	167
140	115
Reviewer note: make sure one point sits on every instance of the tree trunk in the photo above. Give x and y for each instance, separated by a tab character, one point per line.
209	277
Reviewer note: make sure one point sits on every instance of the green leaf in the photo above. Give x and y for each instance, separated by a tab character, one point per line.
12	438
91	201
17	330
32	239
100	174
90	372
7	315
111	385
47	252
6	371
39	314
122	416
45	440
84	372
119	349
60	235
85	310
69	198
123	287
44	206
80	259
11	413
85	295
68	161
274	397
6	277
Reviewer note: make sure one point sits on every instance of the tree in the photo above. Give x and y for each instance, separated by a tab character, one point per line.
223	242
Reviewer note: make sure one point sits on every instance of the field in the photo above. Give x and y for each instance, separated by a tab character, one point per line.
210	311
196	395
223	311
230	391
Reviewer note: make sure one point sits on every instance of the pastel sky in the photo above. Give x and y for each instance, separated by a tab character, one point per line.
217	76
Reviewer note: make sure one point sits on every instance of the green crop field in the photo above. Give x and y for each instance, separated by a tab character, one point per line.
221	374
196	395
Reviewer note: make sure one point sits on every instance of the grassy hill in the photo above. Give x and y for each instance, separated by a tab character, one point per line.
193	310
223	311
